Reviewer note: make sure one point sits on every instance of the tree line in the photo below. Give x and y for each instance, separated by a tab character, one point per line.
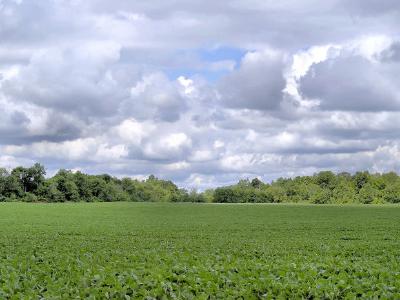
324	187
31	185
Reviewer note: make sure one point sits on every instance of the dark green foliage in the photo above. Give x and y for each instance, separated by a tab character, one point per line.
361	178
367	194
10	186
256	183
83	184
321	196
325	179
53	194
29	197
322	188
29	178
391	193
30	185
226	195
64	182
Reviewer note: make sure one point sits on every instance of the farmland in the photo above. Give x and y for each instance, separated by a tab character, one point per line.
198	251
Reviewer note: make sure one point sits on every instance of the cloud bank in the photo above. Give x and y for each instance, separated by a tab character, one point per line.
200	92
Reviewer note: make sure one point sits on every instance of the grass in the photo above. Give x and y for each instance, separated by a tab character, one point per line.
199	251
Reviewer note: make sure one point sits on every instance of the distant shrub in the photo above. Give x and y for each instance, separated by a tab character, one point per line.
367	194
392	193
29	197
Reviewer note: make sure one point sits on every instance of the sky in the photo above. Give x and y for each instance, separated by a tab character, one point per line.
200	92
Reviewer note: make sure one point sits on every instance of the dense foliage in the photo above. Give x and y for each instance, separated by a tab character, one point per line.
322	188
163	251
30	185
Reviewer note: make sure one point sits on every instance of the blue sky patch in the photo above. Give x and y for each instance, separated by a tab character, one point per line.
206	58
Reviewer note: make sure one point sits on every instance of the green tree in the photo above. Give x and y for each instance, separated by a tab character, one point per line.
321	196
391	194
30	178
326	179
256	183
361	178
82	183
53	194
278	193
367	194
225	195
344	192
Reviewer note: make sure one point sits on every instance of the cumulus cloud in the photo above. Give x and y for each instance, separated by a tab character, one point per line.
167	147
200	92
74	79
155	97
353	83
257	84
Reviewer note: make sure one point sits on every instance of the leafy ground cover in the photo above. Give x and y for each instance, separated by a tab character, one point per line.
198	251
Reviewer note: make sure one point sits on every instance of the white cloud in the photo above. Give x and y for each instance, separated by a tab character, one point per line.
257	84
353	82
133	132
156	97
140	87
181	165
167	147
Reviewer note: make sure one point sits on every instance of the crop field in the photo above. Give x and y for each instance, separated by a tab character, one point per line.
198	251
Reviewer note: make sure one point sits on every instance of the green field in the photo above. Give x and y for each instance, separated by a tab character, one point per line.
198	251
